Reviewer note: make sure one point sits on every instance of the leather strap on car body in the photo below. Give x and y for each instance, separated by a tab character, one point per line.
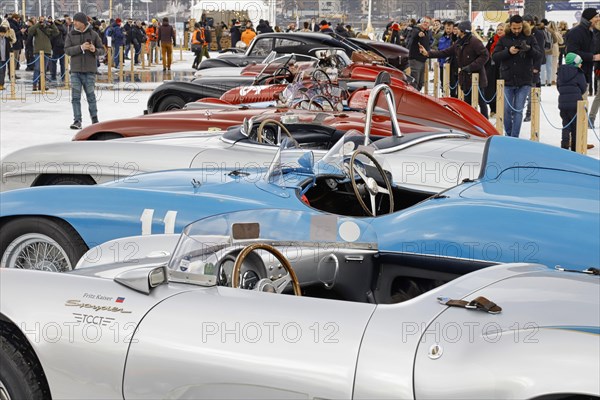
479	303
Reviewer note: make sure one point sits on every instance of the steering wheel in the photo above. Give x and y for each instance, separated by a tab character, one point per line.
261	128
278	284
370	183
318	75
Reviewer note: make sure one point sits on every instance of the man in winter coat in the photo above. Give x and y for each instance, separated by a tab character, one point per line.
571	85
471	56
516	52
5	50
235	32
83	45
324	27
538	64
19	29
580	41
42	33
115	32
419	37
166	41
58	51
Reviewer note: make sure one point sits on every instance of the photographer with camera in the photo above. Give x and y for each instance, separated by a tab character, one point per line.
471	56
83	45
42	33
516	52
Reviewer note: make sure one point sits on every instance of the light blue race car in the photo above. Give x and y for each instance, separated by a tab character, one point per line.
531	203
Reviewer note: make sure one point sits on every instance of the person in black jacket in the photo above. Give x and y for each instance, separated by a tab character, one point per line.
537	65
58	51
571	85
471	56
580	41
516	52
235	31
5	49
419	36
19	28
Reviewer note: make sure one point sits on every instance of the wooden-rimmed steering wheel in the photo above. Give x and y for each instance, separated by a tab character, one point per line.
261	128
370	183
279	284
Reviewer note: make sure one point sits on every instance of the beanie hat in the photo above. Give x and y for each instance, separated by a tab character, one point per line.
80	17
324	22
118	21
573	59
589	13
464	26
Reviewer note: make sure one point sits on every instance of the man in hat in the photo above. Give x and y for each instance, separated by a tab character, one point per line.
83	45
580	38
166	40
571	85
471	56
42	32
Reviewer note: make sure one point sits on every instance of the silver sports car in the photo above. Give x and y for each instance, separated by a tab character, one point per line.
241	306
429	159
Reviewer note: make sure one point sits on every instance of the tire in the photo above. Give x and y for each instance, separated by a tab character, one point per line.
40	243
170	103
69	180
106	136
21	376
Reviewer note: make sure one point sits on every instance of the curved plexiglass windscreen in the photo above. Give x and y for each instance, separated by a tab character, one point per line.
207	248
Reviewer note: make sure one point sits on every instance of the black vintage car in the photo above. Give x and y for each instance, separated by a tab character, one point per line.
175	94
299	43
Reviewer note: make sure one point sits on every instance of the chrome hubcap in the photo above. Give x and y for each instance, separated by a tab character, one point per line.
36	251
3	392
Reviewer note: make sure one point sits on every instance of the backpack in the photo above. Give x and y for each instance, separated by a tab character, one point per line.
547	40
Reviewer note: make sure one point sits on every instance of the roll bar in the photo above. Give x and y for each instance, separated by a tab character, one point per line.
391	103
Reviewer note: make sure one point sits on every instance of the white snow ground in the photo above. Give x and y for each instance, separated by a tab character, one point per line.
37	119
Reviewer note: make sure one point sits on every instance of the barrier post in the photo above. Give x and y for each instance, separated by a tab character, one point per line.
446	79
67	80
475	90
109	54
582	127
143	50
181	52
500	106
132	66
436	80
535	114
13	78
42	81
426	78
121	60
461	94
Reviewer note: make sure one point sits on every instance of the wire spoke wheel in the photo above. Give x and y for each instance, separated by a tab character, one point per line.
36	251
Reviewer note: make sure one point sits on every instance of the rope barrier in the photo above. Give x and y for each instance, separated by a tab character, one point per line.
592	126
34	60
484	99
555	127
512	108
5	64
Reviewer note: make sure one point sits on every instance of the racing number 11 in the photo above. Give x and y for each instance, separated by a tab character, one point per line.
168	220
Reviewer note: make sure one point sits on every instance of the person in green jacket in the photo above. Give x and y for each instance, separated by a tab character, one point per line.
41	32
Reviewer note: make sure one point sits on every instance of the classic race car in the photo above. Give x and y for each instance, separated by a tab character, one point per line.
522	189
304	43
239	103
274	69
215	321
252	144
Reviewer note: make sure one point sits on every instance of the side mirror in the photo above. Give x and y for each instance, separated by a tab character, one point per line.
143	279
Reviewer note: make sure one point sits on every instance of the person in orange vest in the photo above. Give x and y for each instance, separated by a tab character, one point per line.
152	33
248	34
198	44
